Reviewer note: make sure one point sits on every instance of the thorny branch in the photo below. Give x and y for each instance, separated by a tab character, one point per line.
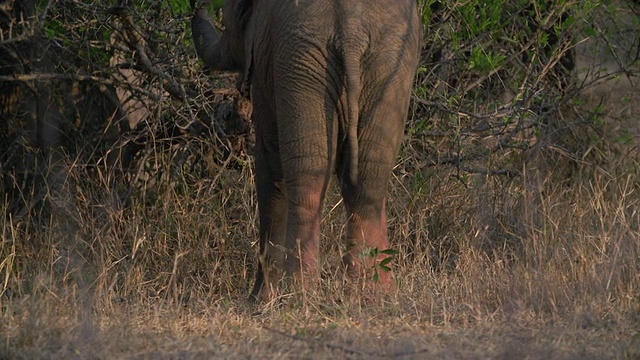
136	40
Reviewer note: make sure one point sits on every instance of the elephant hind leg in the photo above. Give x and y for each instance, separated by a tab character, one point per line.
366	236
272	201
307	127
306	191
365	199
258	285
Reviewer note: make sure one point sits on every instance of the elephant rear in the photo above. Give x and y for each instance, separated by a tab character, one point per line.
330	85
333	81
353	62
380	47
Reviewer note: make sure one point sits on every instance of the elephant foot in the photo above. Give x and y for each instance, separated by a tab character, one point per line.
275	284
371	273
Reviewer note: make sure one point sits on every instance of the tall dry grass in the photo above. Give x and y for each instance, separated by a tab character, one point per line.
542	263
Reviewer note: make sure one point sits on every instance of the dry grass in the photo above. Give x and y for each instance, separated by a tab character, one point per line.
538	266
541	265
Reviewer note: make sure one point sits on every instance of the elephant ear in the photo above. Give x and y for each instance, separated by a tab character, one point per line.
245	79
244	11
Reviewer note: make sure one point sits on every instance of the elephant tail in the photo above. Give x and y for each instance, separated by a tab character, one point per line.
353	86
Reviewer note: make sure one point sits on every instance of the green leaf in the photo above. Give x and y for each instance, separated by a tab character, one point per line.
385	261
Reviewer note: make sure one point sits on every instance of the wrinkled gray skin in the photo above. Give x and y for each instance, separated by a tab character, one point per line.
330	84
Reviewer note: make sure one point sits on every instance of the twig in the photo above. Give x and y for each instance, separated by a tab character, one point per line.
499	113
137	42
77	77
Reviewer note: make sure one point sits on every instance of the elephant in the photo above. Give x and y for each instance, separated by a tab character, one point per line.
330	82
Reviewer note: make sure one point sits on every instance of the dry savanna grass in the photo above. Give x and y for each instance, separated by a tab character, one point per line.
535	266
538	263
